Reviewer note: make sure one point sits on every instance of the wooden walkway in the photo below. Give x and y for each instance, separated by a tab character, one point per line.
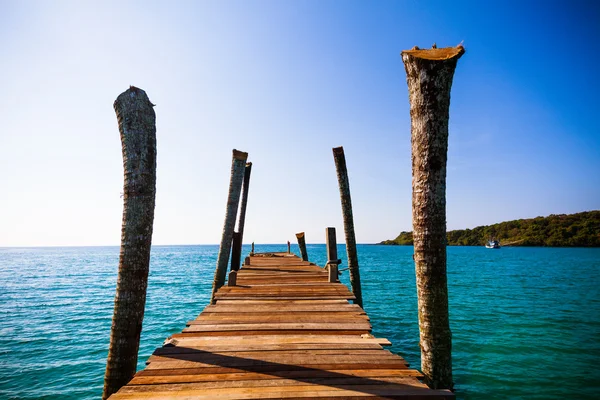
282	332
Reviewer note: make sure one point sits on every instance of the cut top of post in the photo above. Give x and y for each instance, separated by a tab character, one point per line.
240	155
445	53
338	150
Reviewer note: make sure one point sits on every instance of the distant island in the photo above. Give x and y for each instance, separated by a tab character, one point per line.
564	230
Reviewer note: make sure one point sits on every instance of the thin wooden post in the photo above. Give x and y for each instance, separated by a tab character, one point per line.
344	184
137	125
252	250
331	244
232	280
332	258
238	164
429	75
237	246
302	246
333	273
236	251
289	247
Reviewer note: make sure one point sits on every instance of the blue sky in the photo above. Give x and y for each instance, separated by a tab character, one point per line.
286	81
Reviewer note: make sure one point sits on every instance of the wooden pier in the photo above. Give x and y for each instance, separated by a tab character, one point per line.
284	331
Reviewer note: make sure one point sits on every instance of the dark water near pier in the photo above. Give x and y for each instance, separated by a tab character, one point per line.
525	321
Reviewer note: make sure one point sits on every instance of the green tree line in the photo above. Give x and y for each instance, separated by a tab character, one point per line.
564	230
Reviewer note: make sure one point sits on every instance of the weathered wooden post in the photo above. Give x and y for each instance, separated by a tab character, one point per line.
289	247
302	246
238	164
252	249
429	76
236	253
344	184
332	258
232	280
137	125
333	273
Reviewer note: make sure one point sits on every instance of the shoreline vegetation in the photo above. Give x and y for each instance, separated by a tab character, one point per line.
556	230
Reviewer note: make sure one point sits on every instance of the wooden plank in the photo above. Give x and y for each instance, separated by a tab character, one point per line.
256	293
237	290
211	360
350	349
283	302
299	291
268	284
286	297
261	303
288	286
276	320
270	369
291	312
278	339
338	294
296	273
276	279
262	366
247	383
250	314
266	318
264	275
300	391
295	354
267	347
149	379
287	269
272	332
282	307
276	326
275	268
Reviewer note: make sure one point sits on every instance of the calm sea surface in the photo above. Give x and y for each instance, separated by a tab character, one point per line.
525	321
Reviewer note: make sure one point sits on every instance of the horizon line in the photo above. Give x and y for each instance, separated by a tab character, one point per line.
165	245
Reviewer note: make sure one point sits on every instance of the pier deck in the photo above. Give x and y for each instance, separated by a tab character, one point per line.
283	331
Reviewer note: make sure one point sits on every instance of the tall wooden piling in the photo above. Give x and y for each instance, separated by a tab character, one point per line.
302	246
344	184
238	164
429	75
137	126
236	253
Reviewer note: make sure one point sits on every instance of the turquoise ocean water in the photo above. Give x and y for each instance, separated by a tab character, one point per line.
525	321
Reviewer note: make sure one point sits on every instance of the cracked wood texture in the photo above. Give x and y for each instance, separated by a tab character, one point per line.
137	125
238	166
282	332
429	75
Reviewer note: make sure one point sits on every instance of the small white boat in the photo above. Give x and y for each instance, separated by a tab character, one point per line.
492	244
